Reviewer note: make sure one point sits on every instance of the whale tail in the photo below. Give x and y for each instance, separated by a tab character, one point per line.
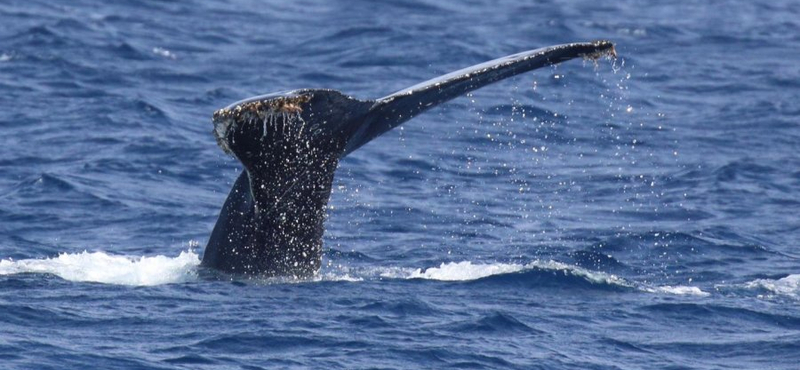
391	111
290	144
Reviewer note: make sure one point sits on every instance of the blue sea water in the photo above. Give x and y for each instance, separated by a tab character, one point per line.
640	213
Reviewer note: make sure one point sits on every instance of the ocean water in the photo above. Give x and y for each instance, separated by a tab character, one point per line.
637	213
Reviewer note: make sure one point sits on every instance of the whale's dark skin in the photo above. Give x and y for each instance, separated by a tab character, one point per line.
290	144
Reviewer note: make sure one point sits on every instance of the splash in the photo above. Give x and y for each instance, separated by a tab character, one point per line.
100	267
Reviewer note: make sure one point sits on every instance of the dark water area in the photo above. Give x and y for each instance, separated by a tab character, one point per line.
637	213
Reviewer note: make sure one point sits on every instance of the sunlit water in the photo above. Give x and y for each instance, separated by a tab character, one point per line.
637	213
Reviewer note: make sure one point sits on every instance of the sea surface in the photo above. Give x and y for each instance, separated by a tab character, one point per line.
637	213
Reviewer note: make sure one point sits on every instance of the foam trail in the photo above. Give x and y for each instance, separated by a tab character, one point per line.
100	267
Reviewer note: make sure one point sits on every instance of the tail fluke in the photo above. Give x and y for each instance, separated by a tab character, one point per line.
392	110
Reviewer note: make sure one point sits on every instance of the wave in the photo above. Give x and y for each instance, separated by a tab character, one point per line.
788	286
677	290
100	267
459	271
467	271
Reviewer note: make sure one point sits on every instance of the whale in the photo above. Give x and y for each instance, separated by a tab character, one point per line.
290	144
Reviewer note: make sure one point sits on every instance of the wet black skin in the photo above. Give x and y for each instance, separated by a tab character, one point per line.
272	221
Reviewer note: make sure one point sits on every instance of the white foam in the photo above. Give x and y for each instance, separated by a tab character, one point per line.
338	277
339	273
467	271
100	267
678	290
464	271
164	53
596	277
788	286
